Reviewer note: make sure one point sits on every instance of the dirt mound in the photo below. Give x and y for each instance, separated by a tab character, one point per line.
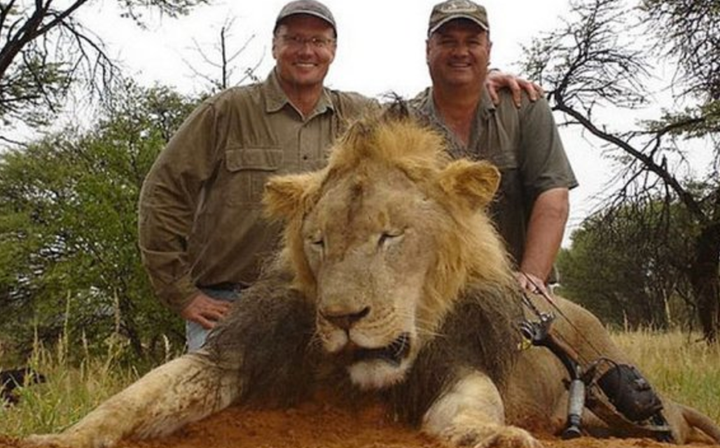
316	425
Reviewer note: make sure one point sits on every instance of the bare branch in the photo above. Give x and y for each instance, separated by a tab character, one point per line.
223	61
45	50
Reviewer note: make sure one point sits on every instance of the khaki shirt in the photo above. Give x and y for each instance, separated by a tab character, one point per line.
200	220
524	144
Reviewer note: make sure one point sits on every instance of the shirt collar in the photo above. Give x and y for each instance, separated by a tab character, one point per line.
485	110
428	103
276	98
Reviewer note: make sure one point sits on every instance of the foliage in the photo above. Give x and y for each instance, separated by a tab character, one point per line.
690	32
616	268
68	220
600	65
44	51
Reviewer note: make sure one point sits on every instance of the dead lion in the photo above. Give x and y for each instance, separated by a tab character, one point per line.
392	283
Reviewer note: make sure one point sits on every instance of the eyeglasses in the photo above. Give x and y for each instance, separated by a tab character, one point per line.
296	42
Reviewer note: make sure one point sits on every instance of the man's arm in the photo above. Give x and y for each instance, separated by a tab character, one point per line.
497	80
547	177
544	237
168	203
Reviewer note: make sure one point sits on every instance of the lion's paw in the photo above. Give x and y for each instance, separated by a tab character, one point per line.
68	440
494	436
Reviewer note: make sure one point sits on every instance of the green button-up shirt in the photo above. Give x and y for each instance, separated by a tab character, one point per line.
525	146
200	207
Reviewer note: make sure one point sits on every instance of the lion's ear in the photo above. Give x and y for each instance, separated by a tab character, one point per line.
285	195
475	183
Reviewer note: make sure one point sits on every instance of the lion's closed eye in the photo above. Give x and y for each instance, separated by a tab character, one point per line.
390	237
317	242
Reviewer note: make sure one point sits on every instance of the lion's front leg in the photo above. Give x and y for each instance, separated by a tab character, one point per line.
471	414
179	392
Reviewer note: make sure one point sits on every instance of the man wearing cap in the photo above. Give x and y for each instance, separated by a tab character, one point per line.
201	232
532	206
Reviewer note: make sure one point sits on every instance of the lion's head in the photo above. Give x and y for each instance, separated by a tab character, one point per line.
385	239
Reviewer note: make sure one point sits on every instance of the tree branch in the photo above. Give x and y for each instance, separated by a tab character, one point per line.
648	162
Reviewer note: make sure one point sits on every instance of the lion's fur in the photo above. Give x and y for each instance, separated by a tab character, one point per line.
479	316
276	357
470	301
276	346
470	295
472	251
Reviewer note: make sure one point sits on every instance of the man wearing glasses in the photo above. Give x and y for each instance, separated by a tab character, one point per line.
201	231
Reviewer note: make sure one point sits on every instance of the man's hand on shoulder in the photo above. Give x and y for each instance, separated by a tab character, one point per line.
205	310
497	80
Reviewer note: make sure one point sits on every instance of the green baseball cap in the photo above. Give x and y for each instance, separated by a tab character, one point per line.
449	10
310	7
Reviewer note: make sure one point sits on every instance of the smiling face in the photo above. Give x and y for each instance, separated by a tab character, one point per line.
458	55
303	48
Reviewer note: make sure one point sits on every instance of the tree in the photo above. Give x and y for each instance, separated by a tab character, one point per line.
68	227
689	31
616	269
597	61
44	51
222	62
602	60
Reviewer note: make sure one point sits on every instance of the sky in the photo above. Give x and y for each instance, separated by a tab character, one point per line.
381	48
380	42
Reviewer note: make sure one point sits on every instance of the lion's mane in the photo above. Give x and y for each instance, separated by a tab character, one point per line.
471	304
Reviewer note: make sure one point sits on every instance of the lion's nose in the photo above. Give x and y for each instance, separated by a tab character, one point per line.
345	320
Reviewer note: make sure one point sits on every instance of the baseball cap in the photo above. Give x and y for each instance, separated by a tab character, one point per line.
448	10
311	7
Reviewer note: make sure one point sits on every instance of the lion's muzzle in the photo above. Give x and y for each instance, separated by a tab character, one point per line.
354	345
345	320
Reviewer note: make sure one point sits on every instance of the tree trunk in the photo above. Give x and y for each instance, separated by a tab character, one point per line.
705	282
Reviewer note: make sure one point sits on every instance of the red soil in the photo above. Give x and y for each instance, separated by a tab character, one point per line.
314	425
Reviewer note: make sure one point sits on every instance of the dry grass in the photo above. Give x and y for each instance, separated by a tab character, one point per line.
679	365
71	390
685	370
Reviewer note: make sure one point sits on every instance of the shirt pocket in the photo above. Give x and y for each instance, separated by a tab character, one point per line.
248	169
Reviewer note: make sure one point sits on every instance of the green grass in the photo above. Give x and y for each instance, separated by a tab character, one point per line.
681	368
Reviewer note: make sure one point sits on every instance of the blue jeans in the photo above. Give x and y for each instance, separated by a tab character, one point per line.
195	334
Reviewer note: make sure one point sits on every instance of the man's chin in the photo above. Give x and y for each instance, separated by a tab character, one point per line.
307	78
463	81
